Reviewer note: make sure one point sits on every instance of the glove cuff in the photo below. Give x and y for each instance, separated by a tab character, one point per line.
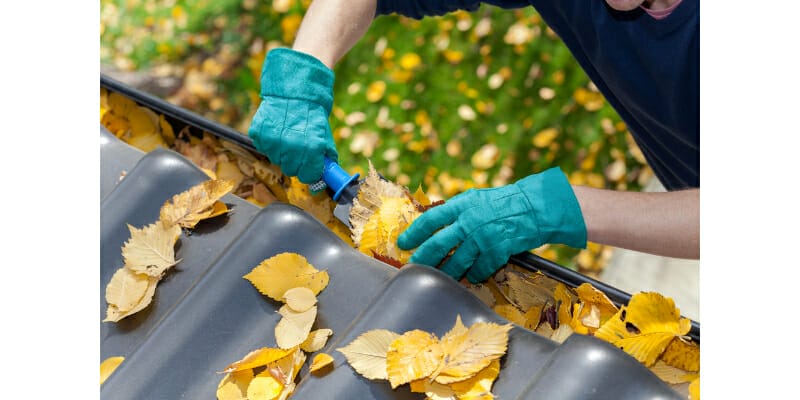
557	209
295	75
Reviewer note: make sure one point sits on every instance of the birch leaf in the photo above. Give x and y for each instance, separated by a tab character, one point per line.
300	298
188	208
284	271
682	354
319	362
151	250
414	355
480	385
257	358
294	327
114	314
367	353
108	366
126	288
469	352
264	386
316	340
234	385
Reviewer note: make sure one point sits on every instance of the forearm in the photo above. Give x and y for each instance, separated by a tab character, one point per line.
666	224
330	28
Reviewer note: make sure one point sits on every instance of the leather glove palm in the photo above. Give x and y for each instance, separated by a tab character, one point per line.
291	124
489	225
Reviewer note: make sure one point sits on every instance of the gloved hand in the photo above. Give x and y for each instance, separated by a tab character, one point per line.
490	225
291	124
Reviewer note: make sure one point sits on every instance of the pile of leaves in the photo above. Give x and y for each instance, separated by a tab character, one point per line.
270	372
449	103
462	365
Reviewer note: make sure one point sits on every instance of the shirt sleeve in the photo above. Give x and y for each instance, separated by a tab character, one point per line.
418	9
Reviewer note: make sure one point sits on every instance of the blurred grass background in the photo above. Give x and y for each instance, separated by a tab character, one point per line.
447	103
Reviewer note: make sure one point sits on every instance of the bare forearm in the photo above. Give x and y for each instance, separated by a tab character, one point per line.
666	224
330	28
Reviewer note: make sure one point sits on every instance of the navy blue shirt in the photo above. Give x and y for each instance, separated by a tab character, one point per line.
647	69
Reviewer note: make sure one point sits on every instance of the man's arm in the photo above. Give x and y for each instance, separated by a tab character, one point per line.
666	224
330	28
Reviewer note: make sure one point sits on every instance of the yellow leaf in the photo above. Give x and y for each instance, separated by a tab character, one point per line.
257	358
108	366
319	362
561	333
264	387
294	327
151	250
188	208
645	327
114	314
229	170
480	385
529	290
299	299
471	351
670	374
434	390
682	354
120	104
421	197
234	385
166	130
367	353
147	142
126	288
511	313
142	123
532	317
218	209
414	355
320	207
284	271
694	389
565	299
588	294
316	340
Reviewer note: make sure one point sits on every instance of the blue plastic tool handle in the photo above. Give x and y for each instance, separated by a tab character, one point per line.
336	178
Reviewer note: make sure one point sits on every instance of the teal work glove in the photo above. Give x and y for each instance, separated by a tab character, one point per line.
490	225
291	124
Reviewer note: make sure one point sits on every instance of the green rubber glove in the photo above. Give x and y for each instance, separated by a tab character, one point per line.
291	124
490	225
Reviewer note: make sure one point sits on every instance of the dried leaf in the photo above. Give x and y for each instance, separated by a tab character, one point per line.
229	170
319	362
108	366
151	250
114	314
471	351
284	271
316	340
511	313
367	353
126	289
528	290
234	385
434	390
188	208
414	355
682	354
670	374
480	385
562	333
294	327
299	299
645	327
694	389
257	358
264	386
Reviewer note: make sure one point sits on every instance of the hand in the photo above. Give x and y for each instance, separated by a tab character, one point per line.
487	226
291	124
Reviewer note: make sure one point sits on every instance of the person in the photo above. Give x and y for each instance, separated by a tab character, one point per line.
642	55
